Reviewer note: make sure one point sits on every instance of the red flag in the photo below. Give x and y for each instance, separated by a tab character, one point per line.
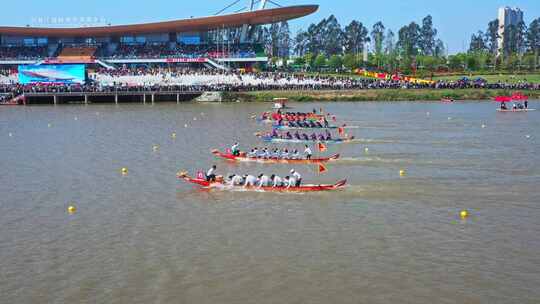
322	169
322	147
341	131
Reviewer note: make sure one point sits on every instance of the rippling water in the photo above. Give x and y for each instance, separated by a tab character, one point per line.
148	238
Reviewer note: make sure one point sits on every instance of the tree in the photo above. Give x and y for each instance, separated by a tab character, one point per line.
309	58
301	43
335	62
300	61
333	36
350	61
320	61
514	39
377	36
492	36
408	39
533	39
455	62
427	36
389	45
355	35
478	42
530	61
271	39
440	50
284	40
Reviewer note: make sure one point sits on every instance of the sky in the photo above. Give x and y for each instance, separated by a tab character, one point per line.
455	20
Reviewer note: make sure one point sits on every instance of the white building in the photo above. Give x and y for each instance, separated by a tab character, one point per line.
507	16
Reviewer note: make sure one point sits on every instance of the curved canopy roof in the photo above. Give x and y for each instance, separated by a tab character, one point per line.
265	16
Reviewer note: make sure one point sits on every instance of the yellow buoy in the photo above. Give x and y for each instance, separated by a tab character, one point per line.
402	172
464	214
49	125
71	209
76	118
427	113
194	118
527	136
449	118
124	171
173	135
185	126
10	134
483	126
155	147
366	150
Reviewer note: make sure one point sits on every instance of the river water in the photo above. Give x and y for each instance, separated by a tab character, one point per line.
148	238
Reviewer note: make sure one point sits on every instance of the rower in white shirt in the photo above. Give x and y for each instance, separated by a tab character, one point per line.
235	180
308	152
211	174
290	181
252	153
235	149
277	181
264	181
297	177
250	181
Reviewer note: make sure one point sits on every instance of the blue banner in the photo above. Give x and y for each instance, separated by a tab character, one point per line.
52	73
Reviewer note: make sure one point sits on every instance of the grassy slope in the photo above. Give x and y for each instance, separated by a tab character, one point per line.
372	95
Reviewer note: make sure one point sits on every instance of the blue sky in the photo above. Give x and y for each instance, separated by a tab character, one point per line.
456	19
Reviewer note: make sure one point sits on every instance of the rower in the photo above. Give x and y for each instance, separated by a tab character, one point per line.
264	181
526	104
234	149
211	174
326	124
288	135
285	154
276	154
250	181
263	153
236	180
308	152
252	153
277	181
290	181
295	155
503	106
313	136
297	177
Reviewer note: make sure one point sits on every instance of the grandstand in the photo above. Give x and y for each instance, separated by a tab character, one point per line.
220	42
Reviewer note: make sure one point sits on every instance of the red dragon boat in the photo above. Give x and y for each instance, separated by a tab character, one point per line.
220	185
243	158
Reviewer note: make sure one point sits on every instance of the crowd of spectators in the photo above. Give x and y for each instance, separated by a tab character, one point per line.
276	81
182	79
179	50
140	51
22	52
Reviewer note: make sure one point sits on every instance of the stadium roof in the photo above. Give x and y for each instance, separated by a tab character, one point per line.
265	16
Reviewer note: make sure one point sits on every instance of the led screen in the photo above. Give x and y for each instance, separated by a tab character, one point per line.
52	73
